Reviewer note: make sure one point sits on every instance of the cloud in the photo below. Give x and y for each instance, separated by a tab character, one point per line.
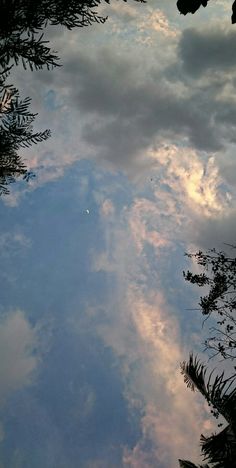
216	231
121	109
124	13
143	328
14	242
197	199
195	181
167	407
160	23
186	196
18	342
131	116
139	221
207	50
113	100
113	106
147	342
107	208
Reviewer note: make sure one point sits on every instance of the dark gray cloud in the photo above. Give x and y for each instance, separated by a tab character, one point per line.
206	50
118	104
126	110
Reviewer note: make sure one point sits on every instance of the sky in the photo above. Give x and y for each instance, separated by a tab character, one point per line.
140	168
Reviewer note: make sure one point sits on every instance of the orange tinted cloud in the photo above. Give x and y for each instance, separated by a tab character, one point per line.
167	421
195	182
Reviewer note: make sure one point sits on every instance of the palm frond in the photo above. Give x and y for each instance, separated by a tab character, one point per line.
220	448
194	374
188	464
217	392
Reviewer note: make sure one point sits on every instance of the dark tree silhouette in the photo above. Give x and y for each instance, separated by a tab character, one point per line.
22	25
188	464
220	448
15	132
191	6
219	276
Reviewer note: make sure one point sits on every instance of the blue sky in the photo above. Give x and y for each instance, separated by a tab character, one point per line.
139	169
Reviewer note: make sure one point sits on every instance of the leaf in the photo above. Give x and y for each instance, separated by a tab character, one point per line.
217	392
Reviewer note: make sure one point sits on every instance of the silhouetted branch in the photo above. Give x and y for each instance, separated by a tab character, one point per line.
219	275
191	6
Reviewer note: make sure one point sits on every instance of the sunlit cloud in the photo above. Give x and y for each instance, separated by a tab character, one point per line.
167	421
147	341
196	181
157	21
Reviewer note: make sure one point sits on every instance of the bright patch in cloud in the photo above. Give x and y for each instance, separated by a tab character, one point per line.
198	183
158	22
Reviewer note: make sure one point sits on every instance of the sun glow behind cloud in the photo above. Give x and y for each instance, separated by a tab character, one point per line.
197	181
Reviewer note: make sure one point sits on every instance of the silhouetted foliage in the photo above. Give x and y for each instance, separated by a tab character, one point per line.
219	276
188	464
191	6
22	25
220	392
15	132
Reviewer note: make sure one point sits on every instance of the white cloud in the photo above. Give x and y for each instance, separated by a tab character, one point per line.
14	242
18	343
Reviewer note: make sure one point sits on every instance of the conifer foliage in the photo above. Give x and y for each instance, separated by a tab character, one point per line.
16	132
